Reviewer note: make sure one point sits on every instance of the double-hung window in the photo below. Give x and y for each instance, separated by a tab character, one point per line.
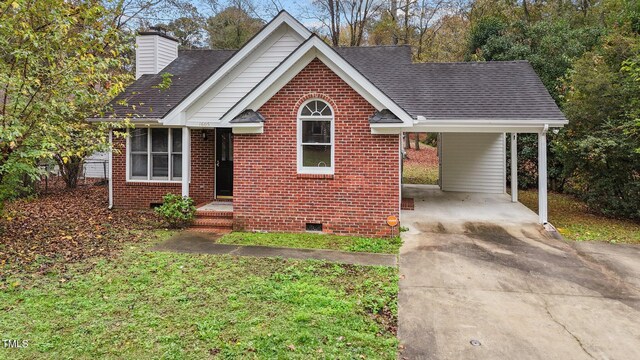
315	138
155	154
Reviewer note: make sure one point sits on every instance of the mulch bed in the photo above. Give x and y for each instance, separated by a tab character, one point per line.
65	226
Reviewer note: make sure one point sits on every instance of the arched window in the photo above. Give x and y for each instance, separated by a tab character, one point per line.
315	138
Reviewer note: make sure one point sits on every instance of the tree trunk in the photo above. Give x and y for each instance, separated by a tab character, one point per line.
417	141
70	170
394	18
334	15
407	16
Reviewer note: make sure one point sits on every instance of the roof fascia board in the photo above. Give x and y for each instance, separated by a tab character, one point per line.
282	18
291	66
132	120
488	121
534	128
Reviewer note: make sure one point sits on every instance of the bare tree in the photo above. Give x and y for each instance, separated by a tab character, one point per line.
272	7
357	14
135	14
327	13
393	11
430	14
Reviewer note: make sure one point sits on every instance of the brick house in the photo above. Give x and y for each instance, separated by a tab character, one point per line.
290	134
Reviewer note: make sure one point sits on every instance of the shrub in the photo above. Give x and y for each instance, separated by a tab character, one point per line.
176	210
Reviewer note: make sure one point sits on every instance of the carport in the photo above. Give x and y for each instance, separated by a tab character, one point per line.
473	107
473	160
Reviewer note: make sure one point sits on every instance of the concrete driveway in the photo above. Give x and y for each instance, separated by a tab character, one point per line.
481	280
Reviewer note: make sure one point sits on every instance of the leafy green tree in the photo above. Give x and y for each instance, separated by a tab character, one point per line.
231	28
188	28
59	61
189	31
600	147
551	43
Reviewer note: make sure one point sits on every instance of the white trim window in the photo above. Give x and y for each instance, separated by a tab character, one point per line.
154	154
315	138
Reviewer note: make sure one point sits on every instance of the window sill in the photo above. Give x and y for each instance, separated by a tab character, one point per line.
153	183
314	176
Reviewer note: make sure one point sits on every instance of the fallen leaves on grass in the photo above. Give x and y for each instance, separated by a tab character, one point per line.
421	166
65	226
427	156
575	221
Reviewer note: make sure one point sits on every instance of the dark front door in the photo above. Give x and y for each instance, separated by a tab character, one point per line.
224	162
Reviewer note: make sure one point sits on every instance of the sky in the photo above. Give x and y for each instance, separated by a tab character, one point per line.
294	7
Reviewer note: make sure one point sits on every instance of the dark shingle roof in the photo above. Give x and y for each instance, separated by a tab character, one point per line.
189	70
384	117
508	90
248	116
497	90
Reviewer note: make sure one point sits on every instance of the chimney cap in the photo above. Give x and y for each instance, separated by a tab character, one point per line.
158	30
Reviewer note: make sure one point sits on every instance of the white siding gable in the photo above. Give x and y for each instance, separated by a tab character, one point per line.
235	85
473	162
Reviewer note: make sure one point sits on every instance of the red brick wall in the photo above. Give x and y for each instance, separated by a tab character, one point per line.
143	194
270	195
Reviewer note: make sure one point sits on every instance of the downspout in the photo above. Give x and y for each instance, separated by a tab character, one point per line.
110	178
401	164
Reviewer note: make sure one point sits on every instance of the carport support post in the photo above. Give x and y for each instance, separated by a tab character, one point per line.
186	158
514	167
542	175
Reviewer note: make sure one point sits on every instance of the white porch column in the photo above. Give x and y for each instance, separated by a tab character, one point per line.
514	167
186	159
542	175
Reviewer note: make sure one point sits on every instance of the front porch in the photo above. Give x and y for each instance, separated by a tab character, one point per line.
218	155
214	216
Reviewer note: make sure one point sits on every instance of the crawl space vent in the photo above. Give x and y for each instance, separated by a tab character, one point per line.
314	227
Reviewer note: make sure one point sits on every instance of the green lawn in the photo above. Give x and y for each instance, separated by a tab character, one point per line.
572	219
315	241
144	304
419	174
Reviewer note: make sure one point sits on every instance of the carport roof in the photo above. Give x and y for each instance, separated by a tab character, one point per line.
494	90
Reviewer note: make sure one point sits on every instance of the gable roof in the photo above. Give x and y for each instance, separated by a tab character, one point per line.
189	70
312	48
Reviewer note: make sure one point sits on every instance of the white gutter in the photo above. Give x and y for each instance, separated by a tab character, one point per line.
133	120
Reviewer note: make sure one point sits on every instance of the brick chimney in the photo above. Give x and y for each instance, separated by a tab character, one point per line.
155	49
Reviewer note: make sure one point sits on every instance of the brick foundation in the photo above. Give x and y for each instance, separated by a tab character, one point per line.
143	194
270	195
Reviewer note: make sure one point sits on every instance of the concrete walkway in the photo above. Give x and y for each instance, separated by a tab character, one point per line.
481	280
205	243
